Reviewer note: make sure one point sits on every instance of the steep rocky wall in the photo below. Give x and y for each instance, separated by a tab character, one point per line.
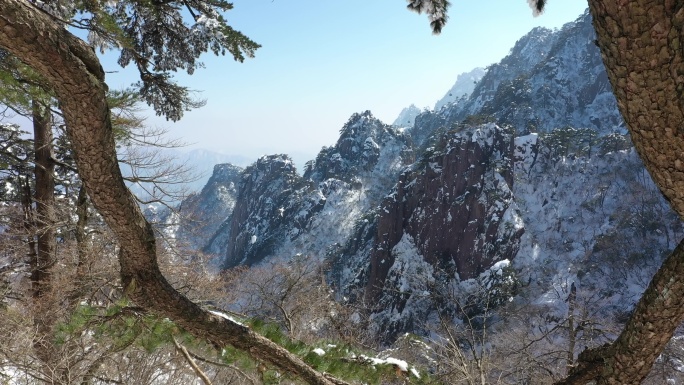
457	206
357	151
272	199
205	211
550	79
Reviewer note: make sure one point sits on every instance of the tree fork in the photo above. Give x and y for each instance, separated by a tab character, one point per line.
73	71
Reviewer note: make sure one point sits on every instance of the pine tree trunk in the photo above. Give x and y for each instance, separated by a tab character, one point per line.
45	201
74	72
572	332
641	43
45	306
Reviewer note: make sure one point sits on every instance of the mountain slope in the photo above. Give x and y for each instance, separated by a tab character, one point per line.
524	189
463	88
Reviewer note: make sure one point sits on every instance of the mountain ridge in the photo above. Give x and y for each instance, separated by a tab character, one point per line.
533	168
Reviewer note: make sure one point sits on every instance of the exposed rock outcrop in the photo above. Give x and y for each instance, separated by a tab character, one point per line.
272	198
357	150
205	211
464	86
455	206
407	116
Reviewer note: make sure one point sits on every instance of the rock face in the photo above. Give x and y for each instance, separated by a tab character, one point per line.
592	216
272	198
356	152
352	176
407	116
205	211
529	51
464	86
549	80
457	206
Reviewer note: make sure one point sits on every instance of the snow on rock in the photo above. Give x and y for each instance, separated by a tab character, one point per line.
459	216
592	216
273	199
461	90
456	194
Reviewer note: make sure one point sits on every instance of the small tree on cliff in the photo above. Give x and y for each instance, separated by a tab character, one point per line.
641	44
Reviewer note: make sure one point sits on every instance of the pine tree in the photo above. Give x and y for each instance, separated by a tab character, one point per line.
155	38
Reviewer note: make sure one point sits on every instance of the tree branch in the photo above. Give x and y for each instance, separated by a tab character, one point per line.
191	362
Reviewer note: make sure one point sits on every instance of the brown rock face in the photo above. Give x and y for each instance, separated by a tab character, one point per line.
457	206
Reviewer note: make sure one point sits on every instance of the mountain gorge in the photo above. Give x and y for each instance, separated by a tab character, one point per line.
526	184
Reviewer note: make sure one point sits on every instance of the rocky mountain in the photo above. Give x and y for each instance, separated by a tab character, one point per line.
523	189
205	211
273	203
531	50
548	80
279	212
407	116
455	210
592	217
464	86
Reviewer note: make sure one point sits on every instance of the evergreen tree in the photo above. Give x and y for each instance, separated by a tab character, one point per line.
156	39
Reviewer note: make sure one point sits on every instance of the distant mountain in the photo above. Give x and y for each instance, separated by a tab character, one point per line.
526	54
279	212
407	116
464	86
206	210
202	162
548	80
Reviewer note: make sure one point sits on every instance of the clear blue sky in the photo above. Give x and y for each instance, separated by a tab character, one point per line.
322	60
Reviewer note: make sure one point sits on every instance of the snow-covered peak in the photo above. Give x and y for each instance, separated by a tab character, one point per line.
464	86
358	149
407	116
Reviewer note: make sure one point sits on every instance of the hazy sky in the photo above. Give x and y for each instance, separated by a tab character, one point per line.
322	60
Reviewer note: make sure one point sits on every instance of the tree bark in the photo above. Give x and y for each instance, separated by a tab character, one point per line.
44	305
73	71
641	43
44	198
572	332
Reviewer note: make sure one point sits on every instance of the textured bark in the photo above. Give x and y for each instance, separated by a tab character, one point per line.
572	332
45	201
81	234
44	305
641	44
73	71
